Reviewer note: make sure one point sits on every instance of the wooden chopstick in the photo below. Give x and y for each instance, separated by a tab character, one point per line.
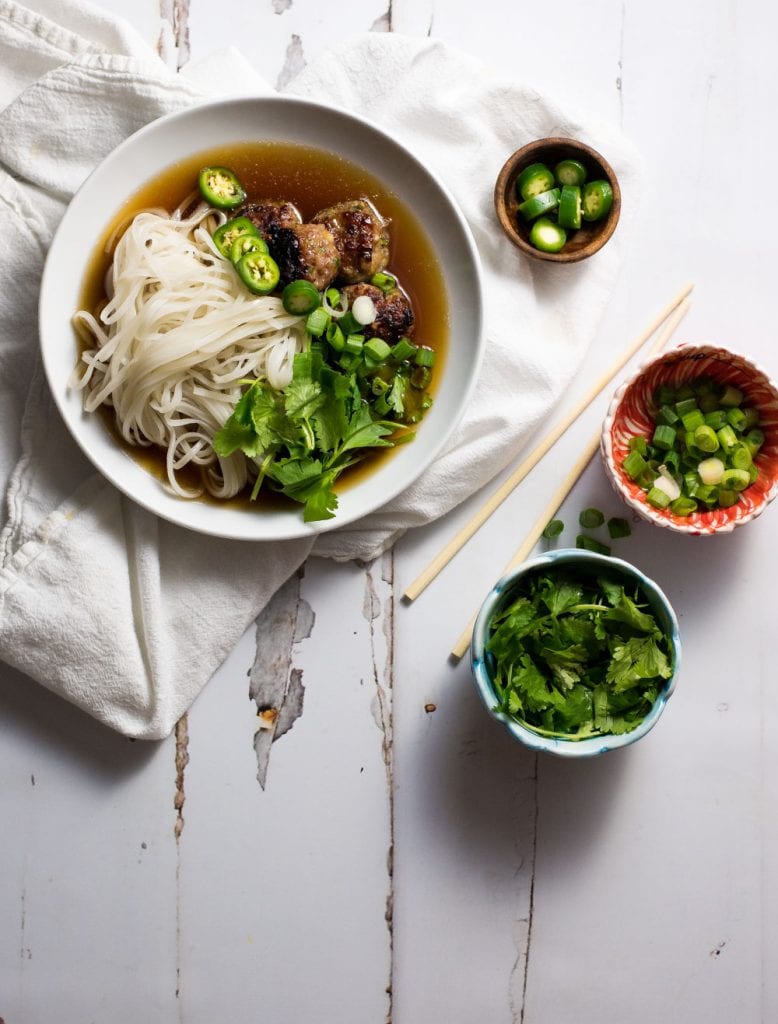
462	644
444	557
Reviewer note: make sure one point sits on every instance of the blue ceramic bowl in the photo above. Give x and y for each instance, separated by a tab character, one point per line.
585	563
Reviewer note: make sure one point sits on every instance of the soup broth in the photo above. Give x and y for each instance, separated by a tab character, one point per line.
312	179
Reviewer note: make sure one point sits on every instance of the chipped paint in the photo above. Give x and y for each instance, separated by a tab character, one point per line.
381	710
181	761
275	685
429	708
294	62
175	33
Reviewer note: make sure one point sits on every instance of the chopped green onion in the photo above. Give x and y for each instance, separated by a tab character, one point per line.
686	405
638	444
731	396
727	438
683	506
317	322
590	544
740	457
727	498
385	282
705	439
553	529
377	349
658	498
734	480
618	528
591	518
424	356
634	465
354	343
300	298
335	337
692	420
664	437
403	350
421	377
715	419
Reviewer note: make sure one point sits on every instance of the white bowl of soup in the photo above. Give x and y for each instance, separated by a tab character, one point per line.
162	350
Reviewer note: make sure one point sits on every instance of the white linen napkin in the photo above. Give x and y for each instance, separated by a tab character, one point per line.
129	616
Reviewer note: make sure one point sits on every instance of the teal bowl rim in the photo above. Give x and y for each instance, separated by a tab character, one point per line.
500	592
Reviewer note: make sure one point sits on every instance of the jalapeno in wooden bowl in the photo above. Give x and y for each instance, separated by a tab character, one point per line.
557	200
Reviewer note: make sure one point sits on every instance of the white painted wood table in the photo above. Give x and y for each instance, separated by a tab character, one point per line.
406	860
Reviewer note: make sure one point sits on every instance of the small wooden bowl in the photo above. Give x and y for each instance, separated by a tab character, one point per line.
581	243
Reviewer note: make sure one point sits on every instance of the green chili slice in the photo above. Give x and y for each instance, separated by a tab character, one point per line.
597	199
258	271
570	172
220	187
225	236
300	298
247	243
547	236
533	180
543	202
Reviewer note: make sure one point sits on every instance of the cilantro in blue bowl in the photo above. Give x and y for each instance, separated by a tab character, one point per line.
576	653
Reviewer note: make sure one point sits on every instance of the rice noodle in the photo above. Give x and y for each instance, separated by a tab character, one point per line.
177	336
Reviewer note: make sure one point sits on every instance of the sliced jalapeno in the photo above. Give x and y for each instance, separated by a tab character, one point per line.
232	229
300	298
570	172
544	202
547	236
247	243
220	187
597	200
258	271
570	206
534	179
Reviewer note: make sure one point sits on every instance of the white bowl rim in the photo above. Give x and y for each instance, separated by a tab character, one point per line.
248	524
643	509
594	745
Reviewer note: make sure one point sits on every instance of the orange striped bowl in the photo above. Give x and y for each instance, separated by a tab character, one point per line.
632	410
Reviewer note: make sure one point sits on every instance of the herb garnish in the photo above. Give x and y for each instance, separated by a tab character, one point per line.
302	438
578	657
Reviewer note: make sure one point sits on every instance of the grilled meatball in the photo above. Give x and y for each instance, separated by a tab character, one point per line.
360	235
269	215
394	313
305	251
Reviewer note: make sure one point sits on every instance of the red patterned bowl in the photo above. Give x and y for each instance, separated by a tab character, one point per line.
632	410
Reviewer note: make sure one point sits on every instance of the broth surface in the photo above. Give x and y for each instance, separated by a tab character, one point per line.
311	179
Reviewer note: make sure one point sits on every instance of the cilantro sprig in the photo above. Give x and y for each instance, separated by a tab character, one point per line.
578	657
304	436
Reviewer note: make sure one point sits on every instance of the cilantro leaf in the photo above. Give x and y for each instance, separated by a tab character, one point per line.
577	657
638	659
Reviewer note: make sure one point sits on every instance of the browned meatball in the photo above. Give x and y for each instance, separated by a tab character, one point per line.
305	252
269	215
394	313
360	235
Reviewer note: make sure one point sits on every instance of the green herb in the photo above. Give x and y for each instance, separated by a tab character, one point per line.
325	420
577	657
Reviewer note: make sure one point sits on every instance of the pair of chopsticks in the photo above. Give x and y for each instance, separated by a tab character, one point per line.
668	320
